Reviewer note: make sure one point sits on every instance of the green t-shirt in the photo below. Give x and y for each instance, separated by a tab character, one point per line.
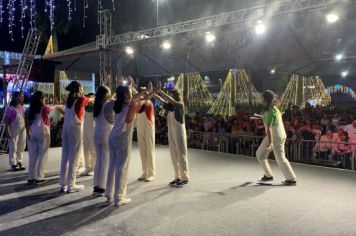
270	116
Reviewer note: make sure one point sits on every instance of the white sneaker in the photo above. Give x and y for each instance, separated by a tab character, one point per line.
75	188
81	170
63	189
90	173
149	179
123	201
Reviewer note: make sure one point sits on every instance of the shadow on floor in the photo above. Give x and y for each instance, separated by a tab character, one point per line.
64	223
11	205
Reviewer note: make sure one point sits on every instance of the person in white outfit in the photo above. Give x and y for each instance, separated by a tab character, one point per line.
177	137
16	131
145	124
103	116
275	140
88	138
72	137
120	140
39	137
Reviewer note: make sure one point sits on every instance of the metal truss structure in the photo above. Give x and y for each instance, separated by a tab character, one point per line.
276	8
105	19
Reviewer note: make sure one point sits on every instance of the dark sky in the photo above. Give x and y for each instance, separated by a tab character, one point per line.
129	15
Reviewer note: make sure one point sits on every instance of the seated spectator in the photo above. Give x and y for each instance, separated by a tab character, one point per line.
324	147
342	150
351	128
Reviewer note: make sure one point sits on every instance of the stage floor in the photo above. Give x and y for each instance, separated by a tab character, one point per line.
222	199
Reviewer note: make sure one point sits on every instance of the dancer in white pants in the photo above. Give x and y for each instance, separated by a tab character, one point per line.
177	136
38	130
88	139
120	141
103	115
275	139
72	137
16	131
145	123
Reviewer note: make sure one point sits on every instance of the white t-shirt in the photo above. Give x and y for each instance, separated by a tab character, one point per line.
350	130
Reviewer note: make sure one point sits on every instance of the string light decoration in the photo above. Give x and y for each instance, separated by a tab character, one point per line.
302	89
235	91
338	88
1	12
197	96
180	83
28	11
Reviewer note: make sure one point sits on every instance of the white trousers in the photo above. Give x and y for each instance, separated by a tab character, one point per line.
89	151
38	156
101	165
17	145
177	139
116	185
279	154
146	144
72	141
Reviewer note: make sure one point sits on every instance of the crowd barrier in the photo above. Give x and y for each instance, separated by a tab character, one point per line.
304	151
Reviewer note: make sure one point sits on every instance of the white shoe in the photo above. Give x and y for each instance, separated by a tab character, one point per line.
90	173
75	188
81	170
123	201
63	189
149	179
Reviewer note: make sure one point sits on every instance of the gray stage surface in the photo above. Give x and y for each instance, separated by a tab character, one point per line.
222	199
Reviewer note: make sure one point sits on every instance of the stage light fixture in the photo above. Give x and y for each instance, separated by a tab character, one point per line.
209	37
260	28
332	18
339	57
129	50
166	45
344	73
273	71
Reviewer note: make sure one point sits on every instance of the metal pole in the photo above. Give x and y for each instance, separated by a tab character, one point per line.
157	6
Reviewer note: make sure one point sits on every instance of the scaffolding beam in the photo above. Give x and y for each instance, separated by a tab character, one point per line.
276	8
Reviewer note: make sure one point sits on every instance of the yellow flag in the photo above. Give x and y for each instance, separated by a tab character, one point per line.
49	49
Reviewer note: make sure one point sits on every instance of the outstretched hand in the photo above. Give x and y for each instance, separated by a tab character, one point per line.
131	81
120	81
150	87
158	87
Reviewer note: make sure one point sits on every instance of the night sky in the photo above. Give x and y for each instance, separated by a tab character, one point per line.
129	15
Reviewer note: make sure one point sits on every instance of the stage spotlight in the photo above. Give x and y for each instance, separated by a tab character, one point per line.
339	57
209	37
273	71
166	45
260	28
332	18
129	50
344	73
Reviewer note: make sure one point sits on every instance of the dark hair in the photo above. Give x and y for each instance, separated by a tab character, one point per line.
270	98
15	95
36	104
121	91
101	93
175	94
89	94
73	89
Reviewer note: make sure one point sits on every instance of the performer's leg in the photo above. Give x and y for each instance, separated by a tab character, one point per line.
262	157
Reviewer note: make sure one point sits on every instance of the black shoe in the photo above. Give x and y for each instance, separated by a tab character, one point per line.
174	182
141	179
180	184
14	168
98	191
21	167
266	179
40	181
30	181
289	182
